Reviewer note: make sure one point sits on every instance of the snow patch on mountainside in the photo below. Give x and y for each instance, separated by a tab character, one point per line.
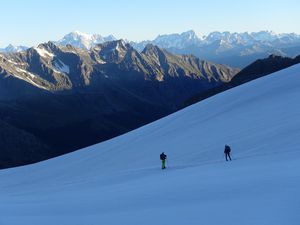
61	67
28	78
16	63
24	71
43	52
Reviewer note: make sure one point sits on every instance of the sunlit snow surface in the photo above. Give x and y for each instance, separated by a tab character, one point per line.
119	182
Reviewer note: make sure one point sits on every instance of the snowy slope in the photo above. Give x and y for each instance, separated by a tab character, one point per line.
120	182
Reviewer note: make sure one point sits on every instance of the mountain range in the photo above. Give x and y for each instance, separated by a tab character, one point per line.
64	98
56	99
12	48
233	49
50	67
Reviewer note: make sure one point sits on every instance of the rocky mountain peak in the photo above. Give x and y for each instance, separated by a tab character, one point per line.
45	50
151	49
112	51
48	45
190	35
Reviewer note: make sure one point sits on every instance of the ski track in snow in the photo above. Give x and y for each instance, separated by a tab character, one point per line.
120	181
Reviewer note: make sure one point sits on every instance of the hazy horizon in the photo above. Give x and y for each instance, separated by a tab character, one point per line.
31	22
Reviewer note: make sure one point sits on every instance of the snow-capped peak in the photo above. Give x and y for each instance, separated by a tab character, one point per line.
177	40
83	40
13	48
264	35
81	34
189	35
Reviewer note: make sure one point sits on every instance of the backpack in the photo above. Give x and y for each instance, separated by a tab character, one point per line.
163	156
227	149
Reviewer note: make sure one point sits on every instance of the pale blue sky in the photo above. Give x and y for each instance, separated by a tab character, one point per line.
29	22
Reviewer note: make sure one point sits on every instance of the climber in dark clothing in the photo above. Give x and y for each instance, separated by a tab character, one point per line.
163	158
227	151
